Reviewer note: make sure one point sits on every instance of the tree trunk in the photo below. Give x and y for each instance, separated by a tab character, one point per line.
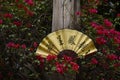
64	14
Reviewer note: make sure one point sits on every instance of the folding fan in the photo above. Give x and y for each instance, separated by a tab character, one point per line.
66	39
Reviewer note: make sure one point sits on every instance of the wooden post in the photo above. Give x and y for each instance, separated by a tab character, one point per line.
64	14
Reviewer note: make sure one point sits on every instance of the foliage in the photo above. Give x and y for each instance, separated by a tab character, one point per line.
105	63
23	23
62	65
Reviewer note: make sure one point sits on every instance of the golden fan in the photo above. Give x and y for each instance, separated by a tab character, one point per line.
66	39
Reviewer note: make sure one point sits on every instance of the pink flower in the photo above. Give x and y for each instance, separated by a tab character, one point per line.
93	11
1	21
111	56
94	61
75	66
23	46
8	15
51	57
10	45
17	23
35	44
107	23
100	40
29	2
94	24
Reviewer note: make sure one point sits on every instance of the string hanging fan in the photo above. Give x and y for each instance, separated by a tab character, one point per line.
66	39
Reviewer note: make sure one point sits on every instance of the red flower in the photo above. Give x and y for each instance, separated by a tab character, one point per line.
100	32
8	15
23	46
117	40
100	40
107	23
51	57
1	21
111	56
75	66
41	61
17	45
67	58
38	57
60	68
94	61
17	23
93	11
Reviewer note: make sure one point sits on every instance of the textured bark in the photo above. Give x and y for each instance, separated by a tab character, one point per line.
64	14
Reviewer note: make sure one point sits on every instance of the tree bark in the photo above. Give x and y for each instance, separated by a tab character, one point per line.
64	14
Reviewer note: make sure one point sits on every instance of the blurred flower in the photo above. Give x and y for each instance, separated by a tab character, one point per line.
100	41
23	46
75	66
107	23
60	68
93	11
51	57
17	23
61	65
67	58
8	15
112	56
94	61
10	44
35	44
